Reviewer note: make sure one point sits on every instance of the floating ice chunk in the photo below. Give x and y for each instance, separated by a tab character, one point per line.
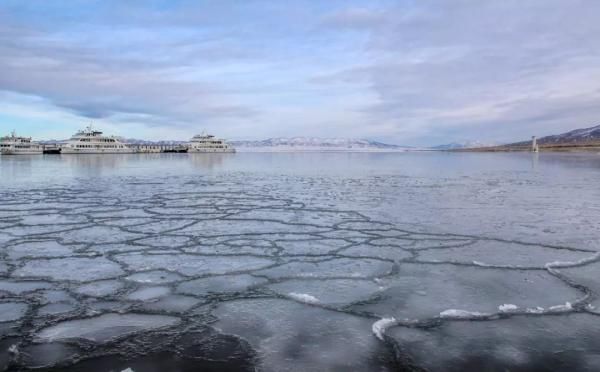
128	370
160	226
14	350
22	287
309	217
155	277
149	293
240	227
104	327
344	234
303	297
562	308
583	261
366	225
118	247
124	222
54	296
336	292
502	254
463	287
461	314
381	325
220	284
53	219
100	288
507	308
426	244
395	242
98	234
535	310
31	231
70	268
54	309
263	243
229	250
312	247
104	306
187	264
380	251
338	267
164	241
10	311
48	248
173	304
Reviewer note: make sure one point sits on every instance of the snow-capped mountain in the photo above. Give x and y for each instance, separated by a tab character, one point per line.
463	145
315	144
573	137
578	137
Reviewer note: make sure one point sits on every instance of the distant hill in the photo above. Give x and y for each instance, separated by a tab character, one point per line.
315	144
578	138
463	145
574	137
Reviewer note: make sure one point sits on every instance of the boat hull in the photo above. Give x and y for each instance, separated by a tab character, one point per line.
205	151
21	152
70	151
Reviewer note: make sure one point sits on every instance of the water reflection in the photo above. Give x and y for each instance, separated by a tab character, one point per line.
209	161
51	168
94	163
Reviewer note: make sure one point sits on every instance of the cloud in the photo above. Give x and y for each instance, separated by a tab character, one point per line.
410	72
99	82
355	18
483	66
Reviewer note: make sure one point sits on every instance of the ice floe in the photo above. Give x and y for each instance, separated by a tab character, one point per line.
104	327
70	268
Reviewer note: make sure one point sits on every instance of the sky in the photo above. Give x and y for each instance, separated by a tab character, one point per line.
408	72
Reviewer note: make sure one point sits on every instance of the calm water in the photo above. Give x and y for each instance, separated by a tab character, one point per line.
300	262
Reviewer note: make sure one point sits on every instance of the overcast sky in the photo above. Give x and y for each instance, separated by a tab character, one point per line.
406	72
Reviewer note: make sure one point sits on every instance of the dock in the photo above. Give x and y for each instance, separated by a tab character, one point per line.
148	149
141	149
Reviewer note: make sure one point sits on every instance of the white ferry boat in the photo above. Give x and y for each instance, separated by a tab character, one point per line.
208	143
14	145
90	141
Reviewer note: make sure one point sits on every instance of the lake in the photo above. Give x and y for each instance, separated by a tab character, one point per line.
300	262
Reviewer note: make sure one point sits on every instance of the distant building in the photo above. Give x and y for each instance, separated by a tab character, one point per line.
534	145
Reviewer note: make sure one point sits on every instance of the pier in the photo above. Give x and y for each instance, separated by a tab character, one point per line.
147	149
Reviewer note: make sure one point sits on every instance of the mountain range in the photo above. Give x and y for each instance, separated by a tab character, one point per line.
575	137
578	138
463	145
283	144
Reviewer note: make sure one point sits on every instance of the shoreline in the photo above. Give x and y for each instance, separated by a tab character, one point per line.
542	148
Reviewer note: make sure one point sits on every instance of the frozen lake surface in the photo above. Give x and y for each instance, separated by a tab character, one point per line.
300	262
